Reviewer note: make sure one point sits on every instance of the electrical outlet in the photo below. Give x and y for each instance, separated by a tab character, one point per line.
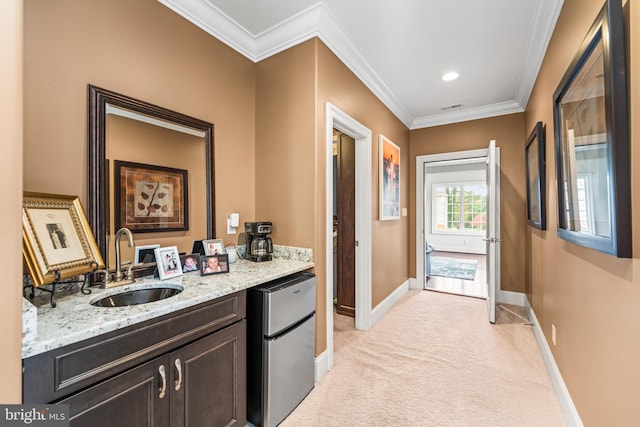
553	334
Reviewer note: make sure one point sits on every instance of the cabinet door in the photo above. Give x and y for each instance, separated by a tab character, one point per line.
134	398
208	380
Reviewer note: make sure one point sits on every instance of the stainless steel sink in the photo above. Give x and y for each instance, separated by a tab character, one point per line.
137	296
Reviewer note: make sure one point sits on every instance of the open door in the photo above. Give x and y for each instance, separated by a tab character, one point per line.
492	239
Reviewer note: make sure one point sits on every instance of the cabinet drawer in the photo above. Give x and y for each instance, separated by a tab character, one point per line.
57	373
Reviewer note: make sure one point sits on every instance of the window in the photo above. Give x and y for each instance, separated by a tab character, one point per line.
459	208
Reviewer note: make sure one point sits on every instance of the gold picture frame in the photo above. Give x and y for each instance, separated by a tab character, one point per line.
57	240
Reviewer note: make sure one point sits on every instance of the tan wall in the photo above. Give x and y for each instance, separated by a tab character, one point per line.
144	50
590	297
389	239
11	196
290	138
510	135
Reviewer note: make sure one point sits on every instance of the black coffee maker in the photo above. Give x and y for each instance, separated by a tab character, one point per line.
259	246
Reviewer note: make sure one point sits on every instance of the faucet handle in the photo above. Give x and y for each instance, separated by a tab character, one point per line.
106	276
128	275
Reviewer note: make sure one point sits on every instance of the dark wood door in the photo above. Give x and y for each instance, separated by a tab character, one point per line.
131	399
210	390
346	228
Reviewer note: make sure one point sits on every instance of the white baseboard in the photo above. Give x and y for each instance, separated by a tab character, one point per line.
569	410
512	298
386	304
321	365
414	284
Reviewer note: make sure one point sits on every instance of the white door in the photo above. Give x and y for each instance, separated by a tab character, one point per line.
492	239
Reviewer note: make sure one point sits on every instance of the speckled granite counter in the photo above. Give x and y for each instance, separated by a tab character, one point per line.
75	319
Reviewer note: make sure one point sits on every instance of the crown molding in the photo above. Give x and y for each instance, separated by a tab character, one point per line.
212	20
499	109
318	21
546	17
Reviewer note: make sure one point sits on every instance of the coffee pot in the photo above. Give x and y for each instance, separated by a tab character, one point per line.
259	246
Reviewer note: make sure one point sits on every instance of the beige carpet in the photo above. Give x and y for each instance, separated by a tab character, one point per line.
434	360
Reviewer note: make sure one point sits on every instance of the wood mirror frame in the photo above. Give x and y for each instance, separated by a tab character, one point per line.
98	211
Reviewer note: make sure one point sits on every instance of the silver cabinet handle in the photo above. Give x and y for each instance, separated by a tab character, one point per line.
178	382
163	390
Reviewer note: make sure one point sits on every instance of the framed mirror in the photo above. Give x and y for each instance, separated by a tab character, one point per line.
536	178
124	129
592	141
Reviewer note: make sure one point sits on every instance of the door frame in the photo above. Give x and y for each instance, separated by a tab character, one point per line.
420	200
338	119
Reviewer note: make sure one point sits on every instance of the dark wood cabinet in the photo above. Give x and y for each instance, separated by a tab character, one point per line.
201	384
131	399
212	382
183	369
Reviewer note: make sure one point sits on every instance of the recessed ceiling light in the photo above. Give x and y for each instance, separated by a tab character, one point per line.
452	75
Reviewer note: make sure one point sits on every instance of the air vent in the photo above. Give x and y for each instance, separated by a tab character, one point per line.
451	107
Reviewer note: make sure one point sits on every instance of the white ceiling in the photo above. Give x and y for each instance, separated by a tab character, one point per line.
400	49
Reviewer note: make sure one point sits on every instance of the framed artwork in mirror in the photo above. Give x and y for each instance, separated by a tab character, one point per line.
536	178
591	122
57	240
150	198
389	179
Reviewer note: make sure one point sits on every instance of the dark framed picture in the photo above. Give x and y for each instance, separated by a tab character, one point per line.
145	254
591	120
536	178
168	262
214	264
57	240
190	263
150	198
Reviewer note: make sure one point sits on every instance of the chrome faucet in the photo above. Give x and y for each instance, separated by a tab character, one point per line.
118	275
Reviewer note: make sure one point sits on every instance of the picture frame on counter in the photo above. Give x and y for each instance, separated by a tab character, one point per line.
150	198
57	240
168	262
214	264
145	254
389	173
190	263
213	247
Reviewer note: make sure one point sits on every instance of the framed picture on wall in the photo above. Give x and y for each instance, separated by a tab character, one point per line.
389	174
536	179
150	198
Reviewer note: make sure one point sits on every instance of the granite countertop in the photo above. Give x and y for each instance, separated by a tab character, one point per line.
75	319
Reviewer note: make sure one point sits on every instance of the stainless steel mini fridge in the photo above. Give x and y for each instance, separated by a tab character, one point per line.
280	347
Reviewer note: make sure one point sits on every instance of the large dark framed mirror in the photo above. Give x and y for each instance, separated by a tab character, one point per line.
592	141
125	129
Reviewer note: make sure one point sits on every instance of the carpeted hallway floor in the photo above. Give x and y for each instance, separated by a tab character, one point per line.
434	360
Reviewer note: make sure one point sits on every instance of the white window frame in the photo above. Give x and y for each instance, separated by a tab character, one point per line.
460	184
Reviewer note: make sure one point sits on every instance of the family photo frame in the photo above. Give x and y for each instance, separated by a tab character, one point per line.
213	247
168	262
150	198
57	240
214	264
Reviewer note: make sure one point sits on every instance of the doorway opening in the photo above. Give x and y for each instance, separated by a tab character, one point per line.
488	162
455	225
339	120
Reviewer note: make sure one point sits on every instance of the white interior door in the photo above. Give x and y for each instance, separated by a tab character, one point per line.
492	239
